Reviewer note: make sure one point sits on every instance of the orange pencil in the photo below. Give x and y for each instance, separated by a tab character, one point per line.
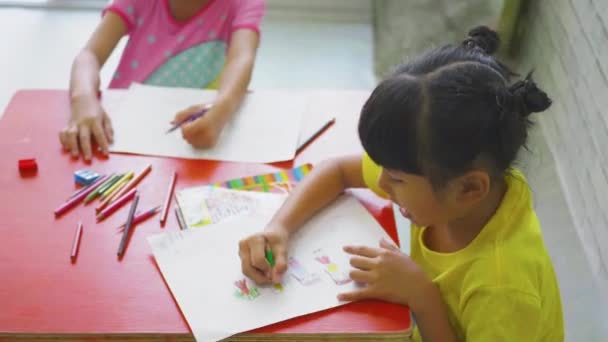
163	217
125	189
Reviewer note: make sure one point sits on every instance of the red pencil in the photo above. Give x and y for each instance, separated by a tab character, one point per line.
76	242
315	135
163	216
76	199
117	204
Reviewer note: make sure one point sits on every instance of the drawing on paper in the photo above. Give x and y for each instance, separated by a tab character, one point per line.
300	273
339	276
206	205
246	291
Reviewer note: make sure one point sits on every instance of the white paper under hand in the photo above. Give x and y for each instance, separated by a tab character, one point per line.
265	128
203	270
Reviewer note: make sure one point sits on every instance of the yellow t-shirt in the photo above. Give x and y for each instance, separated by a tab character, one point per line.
502	286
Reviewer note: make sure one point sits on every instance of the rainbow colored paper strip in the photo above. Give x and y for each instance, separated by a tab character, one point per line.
281	181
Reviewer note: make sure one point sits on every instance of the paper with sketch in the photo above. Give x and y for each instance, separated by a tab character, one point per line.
265	129
209	204
203	270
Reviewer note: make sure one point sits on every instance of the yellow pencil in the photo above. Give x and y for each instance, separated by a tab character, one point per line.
124	189
117	185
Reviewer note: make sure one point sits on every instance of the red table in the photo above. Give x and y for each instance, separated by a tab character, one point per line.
44	296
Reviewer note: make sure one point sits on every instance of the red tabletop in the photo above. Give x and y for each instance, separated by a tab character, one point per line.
42	292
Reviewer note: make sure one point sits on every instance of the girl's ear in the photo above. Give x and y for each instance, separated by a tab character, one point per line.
473	186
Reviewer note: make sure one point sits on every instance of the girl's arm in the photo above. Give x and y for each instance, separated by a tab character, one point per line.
87	117
323	185
84	79
233	84
320	187
236	74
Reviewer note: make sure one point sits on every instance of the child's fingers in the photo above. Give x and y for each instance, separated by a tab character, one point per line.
362	263
364	251
253	273
108	129
85	142
387	245
100	137
280	261
72	140
183	115
359	276
63	138
257	251
355	295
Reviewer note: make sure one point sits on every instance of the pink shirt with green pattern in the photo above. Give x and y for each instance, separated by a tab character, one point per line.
163	51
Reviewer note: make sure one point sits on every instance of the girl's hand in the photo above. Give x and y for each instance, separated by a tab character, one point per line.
88	121
252	251
387	273
205	131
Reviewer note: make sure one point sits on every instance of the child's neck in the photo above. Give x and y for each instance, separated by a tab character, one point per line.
183	10
459	233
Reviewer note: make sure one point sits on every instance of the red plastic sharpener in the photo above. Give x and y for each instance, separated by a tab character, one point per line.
28	165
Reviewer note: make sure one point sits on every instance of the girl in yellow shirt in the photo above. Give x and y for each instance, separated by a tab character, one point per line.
440	136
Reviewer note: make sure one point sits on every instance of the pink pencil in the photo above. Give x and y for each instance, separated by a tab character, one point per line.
140	217
163	216
117	204
76	199
76	242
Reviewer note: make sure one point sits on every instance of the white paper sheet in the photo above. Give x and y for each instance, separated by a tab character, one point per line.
265	129
201	267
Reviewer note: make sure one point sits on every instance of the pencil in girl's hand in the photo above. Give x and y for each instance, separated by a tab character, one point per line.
191	118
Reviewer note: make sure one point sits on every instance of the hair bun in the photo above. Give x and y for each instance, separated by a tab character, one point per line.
483	38
528	97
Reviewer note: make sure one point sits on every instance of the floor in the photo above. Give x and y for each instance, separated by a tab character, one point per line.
310	54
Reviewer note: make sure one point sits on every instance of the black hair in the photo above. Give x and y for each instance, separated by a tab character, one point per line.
450	110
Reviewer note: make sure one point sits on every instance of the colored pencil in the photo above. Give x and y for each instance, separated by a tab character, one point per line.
128	225
114	206
111	180
163	217
125	189
140	217
76	242
190	118
77	199
122	181
180	219
84	188
315	135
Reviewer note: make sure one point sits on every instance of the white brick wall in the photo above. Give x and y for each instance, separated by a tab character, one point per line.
567	42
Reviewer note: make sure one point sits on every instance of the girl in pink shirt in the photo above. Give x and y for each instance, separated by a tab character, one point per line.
180	43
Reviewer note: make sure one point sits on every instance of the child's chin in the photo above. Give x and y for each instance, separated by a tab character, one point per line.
405	213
